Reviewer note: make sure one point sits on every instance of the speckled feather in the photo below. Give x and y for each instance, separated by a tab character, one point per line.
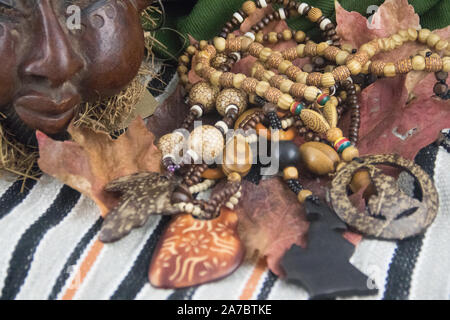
143	195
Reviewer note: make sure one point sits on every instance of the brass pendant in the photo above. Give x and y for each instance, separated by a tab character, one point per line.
390	213
142	195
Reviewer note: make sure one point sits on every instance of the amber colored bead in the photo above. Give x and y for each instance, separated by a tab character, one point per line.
237	156
290	173
234	177
319	158
350	153
249	7
333	134
314	14
303	195
361	179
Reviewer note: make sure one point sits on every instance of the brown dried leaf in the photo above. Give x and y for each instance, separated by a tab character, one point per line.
93	159
271	220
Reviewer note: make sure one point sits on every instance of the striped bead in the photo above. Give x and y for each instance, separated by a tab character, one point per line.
296	108
341	144
323	99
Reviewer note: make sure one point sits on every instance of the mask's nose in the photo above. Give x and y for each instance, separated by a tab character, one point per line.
53	56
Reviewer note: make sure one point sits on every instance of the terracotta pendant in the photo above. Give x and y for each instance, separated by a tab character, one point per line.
193	252
390	213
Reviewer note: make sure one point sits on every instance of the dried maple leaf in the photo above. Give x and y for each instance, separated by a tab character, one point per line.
271	220
398	115
93	159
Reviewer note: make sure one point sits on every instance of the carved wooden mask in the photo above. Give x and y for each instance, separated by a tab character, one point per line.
48	67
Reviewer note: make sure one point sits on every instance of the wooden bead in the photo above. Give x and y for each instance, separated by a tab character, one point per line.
397	39
314	121
273	37
171	144
220	44
321	47
290	173
404	35
423	35
354	67
389	70
238	79
284	65
229	97
314	14
259	37
412	34
330	113
262	87
287	35
285	101
361	179
300	36
446	64
311	93
215	78
319	158
432	40
245	43
341	57
350	153
371	50
441	45
333	134
418	63
327	80
302	195
286	85
249	7
205	94
301	50
265	54
207	141
237	156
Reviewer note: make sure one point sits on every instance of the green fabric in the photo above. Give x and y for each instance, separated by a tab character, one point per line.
208	17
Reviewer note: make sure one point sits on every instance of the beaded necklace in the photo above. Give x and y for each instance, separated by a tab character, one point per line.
291	100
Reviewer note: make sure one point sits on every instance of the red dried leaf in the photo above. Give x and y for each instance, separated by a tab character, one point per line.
93	159
170	115
271	220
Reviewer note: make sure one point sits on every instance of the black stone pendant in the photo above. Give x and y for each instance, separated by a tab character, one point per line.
323	268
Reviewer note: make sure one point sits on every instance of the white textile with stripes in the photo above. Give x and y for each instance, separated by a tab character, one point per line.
49	250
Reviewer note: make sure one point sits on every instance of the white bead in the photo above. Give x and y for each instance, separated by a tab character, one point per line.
282	14
222	125
189	208
231	107
250	35
196	211
197	109
237	55
234	200
238	195
324	23
284	124
229	205
302	7
330	42
263	3
238	17
350	79
169	156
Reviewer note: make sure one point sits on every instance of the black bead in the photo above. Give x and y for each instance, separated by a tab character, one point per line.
286	153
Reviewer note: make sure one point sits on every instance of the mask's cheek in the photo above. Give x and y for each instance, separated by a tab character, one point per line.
113	46
8	63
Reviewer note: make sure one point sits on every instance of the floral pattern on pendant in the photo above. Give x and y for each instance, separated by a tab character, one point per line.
193	252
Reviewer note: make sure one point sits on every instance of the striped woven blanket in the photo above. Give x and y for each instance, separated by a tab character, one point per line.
49	248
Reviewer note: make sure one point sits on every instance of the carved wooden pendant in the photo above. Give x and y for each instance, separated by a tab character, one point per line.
390	213
193	252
